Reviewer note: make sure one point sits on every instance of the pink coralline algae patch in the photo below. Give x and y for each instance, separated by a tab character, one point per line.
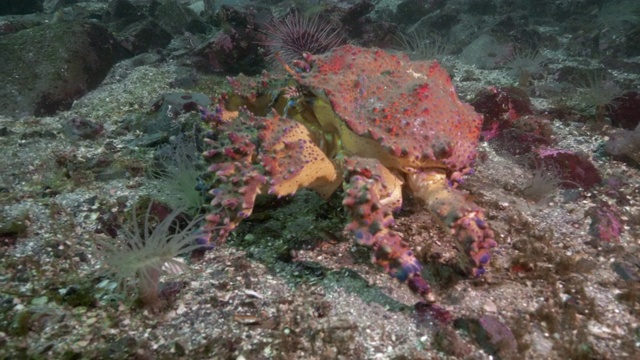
575	170
501	107
624	110
525	135
606	223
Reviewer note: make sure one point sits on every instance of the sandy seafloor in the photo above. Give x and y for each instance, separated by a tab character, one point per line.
568	298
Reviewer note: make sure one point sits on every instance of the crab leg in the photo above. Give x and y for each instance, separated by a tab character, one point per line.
252	155
464	219
372	191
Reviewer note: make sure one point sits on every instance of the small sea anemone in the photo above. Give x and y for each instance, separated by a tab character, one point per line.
296	34
606	222
522	63
618	14
424	45
149	253
543	184
597	92
179	178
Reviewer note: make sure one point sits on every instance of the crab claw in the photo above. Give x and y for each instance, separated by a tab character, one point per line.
465	220
419	286
370	196
476	240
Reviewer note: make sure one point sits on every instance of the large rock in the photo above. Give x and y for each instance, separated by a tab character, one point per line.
20	7
144	36
177	19
121	13
142	26
46	68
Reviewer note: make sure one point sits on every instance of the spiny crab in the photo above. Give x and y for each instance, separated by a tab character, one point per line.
372	121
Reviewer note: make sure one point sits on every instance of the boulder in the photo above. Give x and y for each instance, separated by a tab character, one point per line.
46	68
